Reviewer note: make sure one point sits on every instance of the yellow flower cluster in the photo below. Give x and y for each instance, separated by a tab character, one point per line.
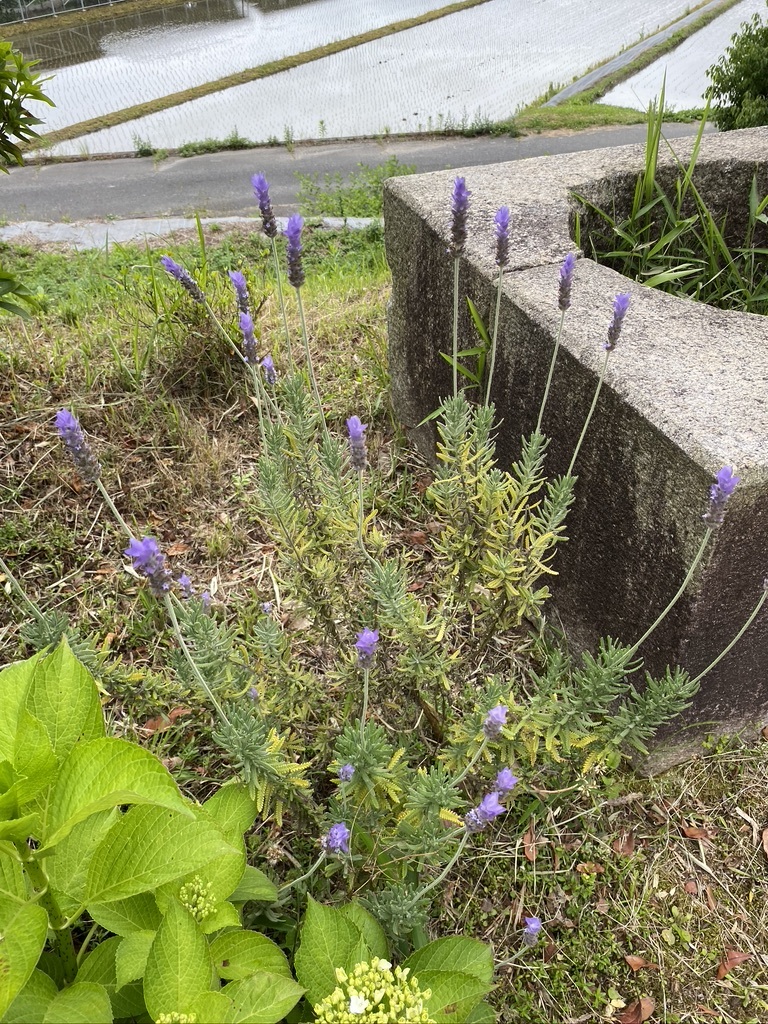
177	1018
373	994
196	897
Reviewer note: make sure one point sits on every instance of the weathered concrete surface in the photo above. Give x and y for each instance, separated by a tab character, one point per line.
686	392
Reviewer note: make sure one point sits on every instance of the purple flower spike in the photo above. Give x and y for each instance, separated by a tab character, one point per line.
261	191
494	721
336	839
249	338
206	601
148	560
71	433
488	809
620	307
501	221
366	647
719	493
270	374
505	782
459	210
293	230
346	772
531	931
356	431
241	290
183	277
566	281
186	586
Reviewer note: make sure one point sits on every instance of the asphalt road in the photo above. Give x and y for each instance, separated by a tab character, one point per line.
219	184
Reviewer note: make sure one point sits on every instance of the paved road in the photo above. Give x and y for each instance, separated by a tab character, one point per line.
219	184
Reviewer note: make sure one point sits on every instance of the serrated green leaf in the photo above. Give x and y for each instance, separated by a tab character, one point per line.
131	957
212	1008
124	917
371	931
263	998
453	995
15	681
33	758
30	1004
106	773
12	882
85	1002
99	967
65	699
328	941
68	870
237	955
20	828
148	847
254	885
179	966
232	808
224	915
23	930
457	953
483	1013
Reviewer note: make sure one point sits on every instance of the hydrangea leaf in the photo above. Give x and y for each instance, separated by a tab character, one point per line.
99	967
11	876
124	917
328	940
15	681
85	1002
254	885
131	957
263	998
147	847
453	995
372	933
34	761
232	808
68	870
212	1008
23	930
223	916
106	773
64	697
237	955
30	1004
458	953
179	966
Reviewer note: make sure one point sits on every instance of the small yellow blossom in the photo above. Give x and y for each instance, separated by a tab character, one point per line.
372	993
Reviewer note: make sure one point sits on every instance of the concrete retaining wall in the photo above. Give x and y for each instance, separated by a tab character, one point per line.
686	392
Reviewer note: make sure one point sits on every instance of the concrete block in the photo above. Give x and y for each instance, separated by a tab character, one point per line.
686	392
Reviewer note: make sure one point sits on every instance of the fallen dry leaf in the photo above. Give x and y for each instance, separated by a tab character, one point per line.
625	844
416	537
637	1012
731	959
601	907
163	722
765	841
590	868
179	548
696	832
710	898
549	951
529	845
692	887
637	963
706	1010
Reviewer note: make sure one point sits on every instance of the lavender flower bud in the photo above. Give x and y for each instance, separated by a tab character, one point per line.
473	822
183	277
531	931
150	562
366	647
505	782
71	433
459	210
261	191
270	374
249	338
253	693
185	583
241	290
501	220
336	839
292	232
620	307
488	809
346	772
206	601
719	493
356	431
494	721
566	281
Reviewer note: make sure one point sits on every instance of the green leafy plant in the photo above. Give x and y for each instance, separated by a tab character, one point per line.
360	194
739	89
671	240
119	897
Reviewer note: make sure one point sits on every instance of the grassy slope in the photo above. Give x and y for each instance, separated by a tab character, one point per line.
173	436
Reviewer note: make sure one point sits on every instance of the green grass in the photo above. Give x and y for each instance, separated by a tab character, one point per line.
123	346
359	195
